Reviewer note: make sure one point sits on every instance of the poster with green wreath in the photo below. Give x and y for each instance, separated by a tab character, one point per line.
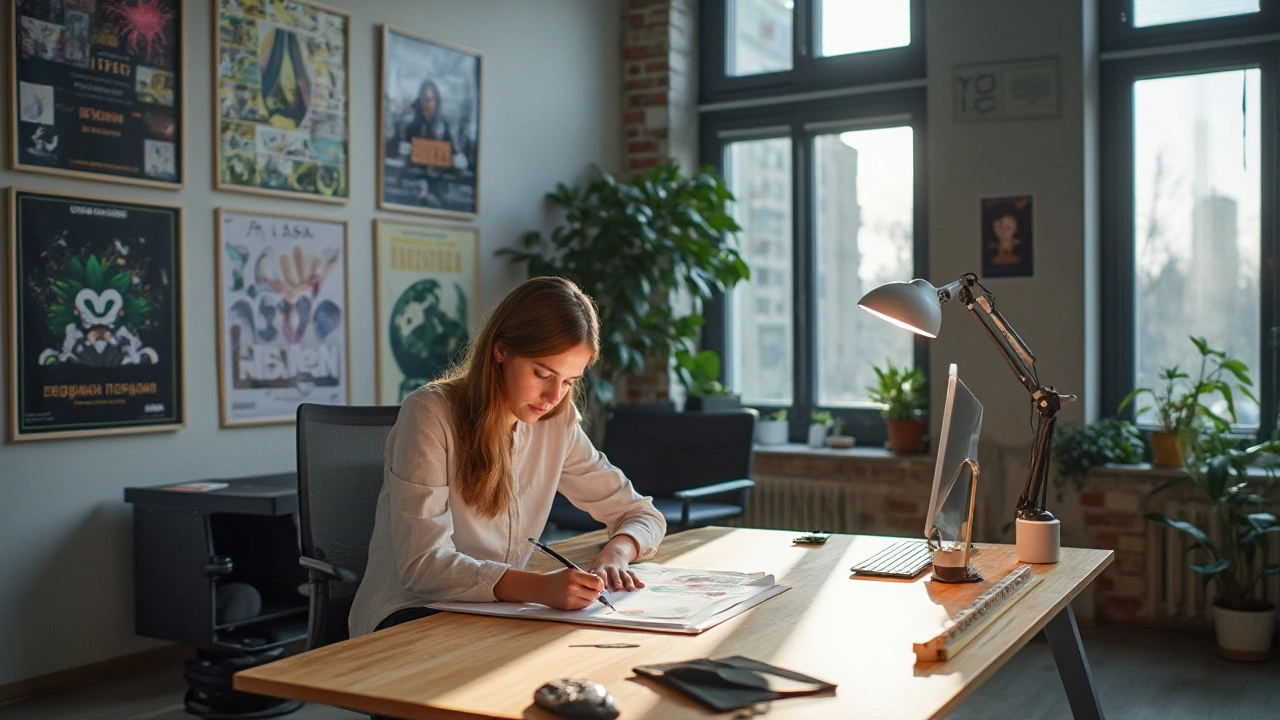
282	116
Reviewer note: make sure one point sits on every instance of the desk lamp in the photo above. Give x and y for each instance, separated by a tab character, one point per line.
917	306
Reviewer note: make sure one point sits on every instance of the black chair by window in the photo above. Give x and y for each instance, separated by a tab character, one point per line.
696	466
340	457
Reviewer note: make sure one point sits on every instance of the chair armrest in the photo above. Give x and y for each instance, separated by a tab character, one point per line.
333	571
721	488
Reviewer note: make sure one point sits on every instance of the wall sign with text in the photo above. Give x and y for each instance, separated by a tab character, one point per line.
1021	90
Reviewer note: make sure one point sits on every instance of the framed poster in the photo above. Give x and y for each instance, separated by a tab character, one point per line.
283	336
427	280
95	316
428	126
281	99
1007	237
96	90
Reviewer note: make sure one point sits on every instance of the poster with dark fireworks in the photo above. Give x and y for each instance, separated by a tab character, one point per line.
428	127
282	119
427	282
282	316
95	325
98	89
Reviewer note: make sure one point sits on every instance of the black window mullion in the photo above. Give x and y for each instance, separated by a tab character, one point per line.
1267	281
803	304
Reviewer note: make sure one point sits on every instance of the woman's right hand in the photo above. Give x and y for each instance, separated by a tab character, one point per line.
569	589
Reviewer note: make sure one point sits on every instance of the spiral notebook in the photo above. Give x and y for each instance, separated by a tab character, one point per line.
674	600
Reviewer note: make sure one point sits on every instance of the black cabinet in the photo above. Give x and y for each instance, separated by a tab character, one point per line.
218	569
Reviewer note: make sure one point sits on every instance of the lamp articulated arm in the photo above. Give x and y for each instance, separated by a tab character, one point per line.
1047	401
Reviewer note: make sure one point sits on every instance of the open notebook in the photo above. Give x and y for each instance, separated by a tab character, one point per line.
675	600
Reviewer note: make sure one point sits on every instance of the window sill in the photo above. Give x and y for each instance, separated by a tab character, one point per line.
853	453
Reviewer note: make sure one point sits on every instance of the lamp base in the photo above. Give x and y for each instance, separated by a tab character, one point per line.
1039	541
948	567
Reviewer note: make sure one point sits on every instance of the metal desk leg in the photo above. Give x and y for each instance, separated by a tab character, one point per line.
1073	667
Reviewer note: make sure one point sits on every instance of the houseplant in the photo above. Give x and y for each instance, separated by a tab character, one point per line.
698	375
820	423
1106	440
902	393
837	438
1233	548
630	244
772	428
1181	404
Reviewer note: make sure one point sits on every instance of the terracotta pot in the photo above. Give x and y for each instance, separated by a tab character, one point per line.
1244	634
1165	451
905	436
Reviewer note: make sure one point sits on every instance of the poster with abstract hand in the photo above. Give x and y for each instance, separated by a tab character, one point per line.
282	98
96	316
282	316
427	282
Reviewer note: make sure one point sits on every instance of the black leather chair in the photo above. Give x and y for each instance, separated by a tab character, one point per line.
341	451
696	466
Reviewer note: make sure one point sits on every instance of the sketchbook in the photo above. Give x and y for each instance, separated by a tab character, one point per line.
674	600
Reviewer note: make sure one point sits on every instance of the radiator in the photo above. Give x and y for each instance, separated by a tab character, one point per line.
1175	592
793	503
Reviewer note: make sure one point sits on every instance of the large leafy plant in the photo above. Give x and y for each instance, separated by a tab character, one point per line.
630	244
1182	405
698	373
1234	556
900	389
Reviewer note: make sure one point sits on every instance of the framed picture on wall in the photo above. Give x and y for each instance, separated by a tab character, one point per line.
96	90
427	281
1007	242
283	332
282	115
95	316
428	126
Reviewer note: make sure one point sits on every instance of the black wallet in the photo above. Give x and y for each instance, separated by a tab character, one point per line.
733	682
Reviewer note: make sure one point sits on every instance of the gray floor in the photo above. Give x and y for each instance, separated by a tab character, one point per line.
1139	673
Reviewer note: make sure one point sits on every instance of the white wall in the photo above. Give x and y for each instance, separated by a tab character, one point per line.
550	107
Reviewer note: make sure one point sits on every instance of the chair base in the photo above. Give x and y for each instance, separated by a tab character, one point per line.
210	694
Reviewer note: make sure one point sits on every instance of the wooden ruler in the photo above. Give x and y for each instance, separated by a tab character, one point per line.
967	624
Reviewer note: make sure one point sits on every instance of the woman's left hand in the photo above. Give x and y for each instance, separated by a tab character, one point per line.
612	564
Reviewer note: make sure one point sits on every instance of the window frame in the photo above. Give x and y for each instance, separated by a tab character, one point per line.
1115	18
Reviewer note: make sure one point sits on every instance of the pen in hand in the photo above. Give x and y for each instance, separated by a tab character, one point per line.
569	564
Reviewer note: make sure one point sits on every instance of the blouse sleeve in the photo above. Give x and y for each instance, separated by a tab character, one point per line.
597	487
421	522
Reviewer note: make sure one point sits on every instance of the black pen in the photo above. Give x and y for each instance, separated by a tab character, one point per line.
569	564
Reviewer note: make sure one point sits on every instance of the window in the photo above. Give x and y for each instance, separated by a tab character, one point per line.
1188	160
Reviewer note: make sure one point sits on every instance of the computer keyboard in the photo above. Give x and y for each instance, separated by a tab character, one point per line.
905	558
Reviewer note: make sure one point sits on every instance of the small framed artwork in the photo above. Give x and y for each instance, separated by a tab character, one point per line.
97	90
427	280
281	112
283	332
428	126
95	316
1007	237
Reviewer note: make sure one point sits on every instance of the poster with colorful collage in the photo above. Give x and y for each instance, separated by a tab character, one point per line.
282	315
281	98
95	324
427	283
97	89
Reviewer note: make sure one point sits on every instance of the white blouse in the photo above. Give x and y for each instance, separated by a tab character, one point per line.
429	545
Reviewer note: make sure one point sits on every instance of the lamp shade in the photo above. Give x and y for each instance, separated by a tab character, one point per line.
913	305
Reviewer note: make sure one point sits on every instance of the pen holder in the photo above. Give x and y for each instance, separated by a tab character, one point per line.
1039	541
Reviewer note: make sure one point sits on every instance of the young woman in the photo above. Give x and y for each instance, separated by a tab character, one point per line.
474	461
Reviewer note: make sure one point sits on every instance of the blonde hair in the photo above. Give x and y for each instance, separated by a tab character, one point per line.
543	316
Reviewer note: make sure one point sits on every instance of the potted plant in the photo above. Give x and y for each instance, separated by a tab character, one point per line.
902	393
772	428
1232	552
837	439
1181	405
1106	440
820	423
630	244
703	392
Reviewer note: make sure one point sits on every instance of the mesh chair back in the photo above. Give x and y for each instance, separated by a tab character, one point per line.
340	459
665	452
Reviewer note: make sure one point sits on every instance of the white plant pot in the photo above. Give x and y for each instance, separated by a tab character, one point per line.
772	432
818	435
1244	634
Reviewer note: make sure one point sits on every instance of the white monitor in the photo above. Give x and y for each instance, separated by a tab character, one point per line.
951	499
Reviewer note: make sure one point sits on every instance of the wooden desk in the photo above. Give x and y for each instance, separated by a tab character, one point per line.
856	632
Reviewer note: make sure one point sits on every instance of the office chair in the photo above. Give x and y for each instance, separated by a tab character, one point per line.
682	460
340	457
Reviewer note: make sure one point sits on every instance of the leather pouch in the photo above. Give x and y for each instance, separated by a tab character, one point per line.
733	682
